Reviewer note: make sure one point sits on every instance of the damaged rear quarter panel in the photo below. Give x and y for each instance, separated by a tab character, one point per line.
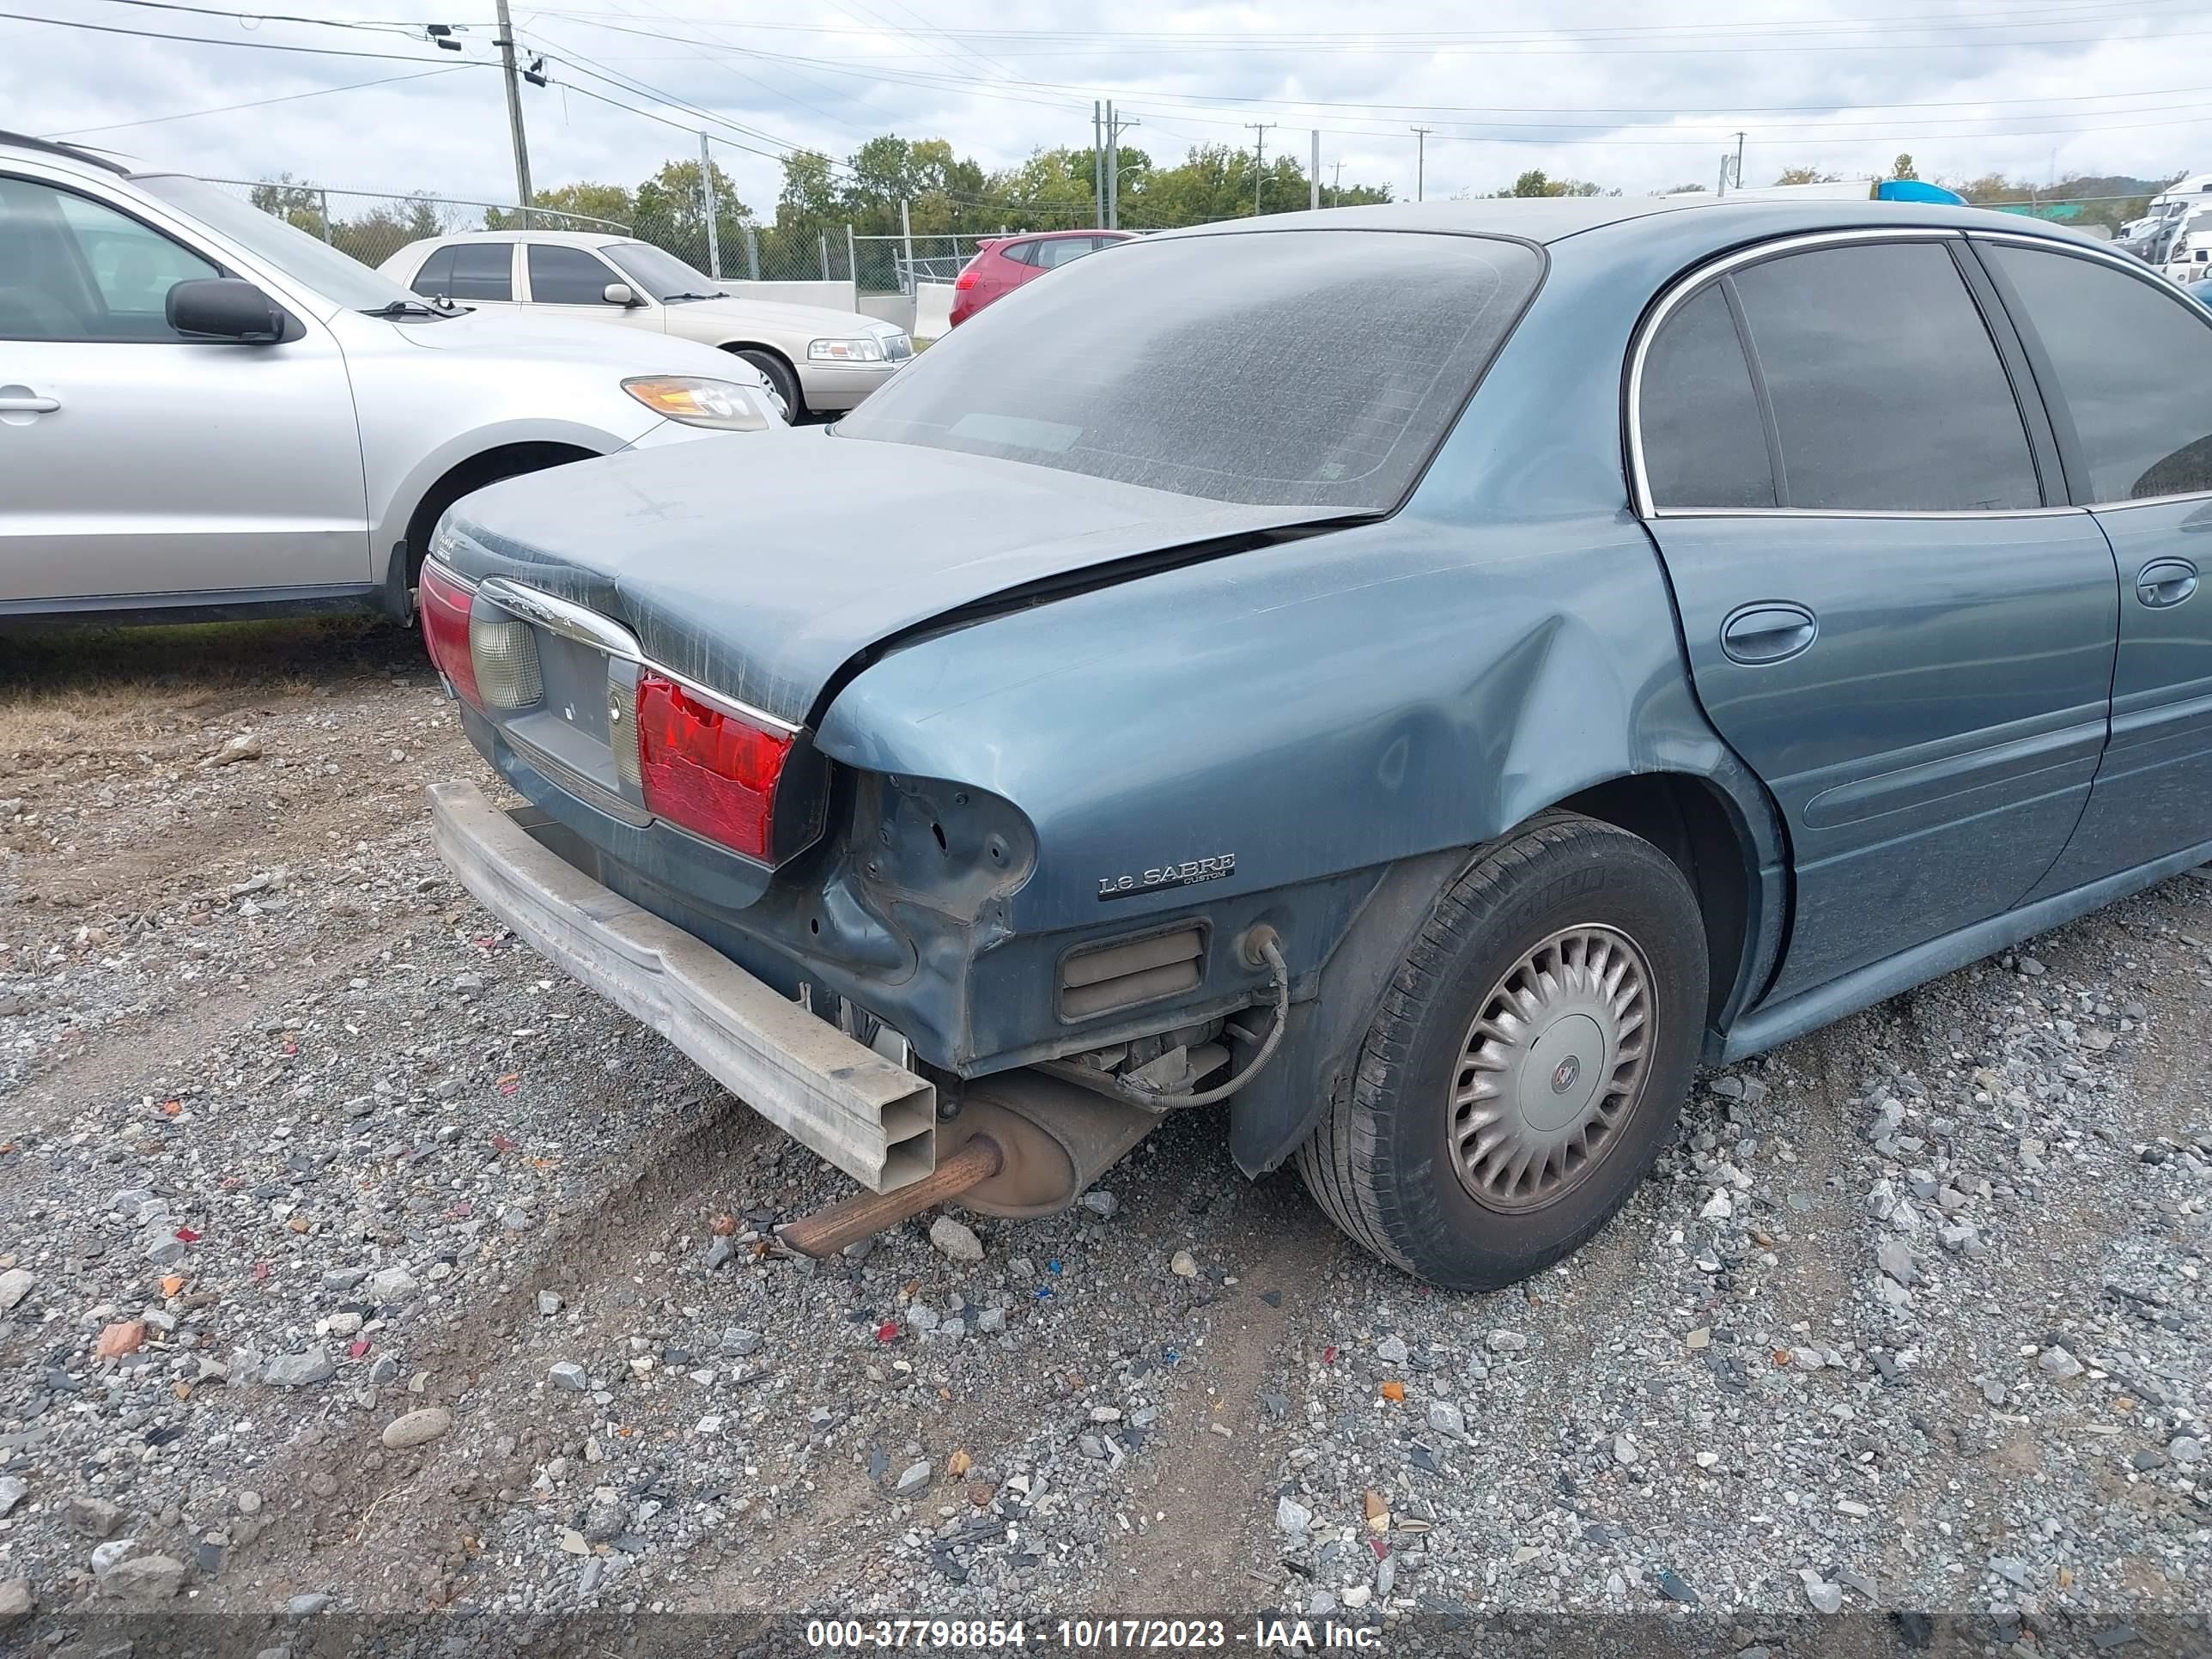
1322	709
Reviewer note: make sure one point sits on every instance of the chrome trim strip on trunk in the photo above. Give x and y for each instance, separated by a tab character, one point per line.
588	626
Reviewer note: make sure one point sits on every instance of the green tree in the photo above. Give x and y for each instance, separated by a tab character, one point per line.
291	200
1537	182
1902	167
612	202
1808	176
808	200
1051	189
381	231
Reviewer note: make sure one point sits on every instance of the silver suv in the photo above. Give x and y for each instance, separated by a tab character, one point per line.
204	410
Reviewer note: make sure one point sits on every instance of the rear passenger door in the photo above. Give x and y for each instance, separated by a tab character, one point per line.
481	276
1890	613
2125	365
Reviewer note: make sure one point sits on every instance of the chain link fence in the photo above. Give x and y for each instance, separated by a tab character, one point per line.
374	225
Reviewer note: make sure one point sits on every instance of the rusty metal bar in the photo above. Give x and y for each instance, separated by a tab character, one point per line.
829	1230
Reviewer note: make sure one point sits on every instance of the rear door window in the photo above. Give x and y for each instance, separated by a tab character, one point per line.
435	280
1888	392
1704	445
2134	365
483	271
1316	368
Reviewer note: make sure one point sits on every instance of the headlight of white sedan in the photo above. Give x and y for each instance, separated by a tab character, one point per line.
867	349
723	404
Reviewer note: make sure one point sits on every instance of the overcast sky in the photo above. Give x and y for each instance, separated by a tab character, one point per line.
1636	96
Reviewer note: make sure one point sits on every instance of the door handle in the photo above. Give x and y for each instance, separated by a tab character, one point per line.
1771	631
26	404
2164	582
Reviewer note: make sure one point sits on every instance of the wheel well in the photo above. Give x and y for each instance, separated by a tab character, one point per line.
508	461
733	347
1687	819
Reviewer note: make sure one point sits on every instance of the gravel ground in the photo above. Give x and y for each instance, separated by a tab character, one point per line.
353	1263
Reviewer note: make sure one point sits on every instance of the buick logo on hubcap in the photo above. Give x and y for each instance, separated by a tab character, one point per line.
1564	1074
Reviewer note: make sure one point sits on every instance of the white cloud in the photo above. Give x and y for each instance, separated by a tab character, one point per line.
1587	96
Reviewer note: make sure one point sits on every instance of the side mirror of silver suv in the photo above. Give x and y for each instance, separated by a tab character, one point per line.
226	308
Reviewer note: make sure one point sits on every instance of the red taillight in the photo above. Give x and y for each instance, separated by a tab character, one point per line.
445	606
712	772
966	279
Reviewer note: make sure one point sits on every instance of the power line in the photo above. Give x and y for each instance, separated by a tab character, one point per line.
1183	40
262	103
210	40
272	16
960	197
985	89
628	83
1773	135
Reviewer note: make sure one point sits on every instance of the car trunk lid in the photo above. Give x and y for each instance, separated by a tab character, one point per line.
759	566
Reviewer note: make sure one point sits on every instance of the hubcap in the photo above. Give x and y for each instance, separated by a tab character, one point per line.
1552	1066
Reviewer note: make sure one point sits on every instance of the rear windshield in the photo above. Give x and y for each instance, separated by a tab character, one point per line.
1288	368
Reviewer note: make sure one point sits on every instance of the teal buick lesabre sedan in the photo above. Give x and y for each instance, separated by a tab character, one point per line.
1421	678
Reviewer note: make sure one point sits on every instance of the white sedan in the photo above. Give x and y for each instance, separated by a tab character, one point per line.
204	411
816	357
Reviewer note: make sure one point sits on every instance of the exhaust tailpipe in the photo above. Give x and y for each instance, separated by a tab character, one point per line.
1025	1144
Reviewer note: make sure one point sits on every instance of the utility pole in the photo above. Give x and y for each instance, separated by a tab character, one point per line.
1098	159
515	112
1259	161
1313	173
1115	128
707	192
1113	169
1420	161
1336	184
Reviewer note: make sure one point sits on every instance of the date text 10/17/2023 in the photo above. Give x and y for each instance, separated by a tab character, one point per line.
1091	1635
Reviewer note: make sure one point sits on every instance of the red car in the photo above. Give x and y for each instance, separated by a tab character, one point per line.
1004	264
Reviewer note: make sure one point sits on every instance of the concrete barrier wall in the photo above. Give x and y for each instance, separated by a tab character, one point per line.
889	308
838	296
933	310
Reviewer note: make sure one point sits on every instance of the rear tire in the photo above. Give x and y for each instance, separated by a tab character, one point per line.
1528	1062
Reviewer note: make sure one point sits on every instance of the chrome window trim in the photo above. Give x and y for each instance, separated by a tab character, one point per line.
572	621
1682	288
1866	513
2155	277
2148	501
588	626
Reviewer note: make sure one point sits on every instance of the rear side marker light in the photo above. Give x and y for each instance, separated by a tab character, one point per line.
503	660
966	279
444	605
707	769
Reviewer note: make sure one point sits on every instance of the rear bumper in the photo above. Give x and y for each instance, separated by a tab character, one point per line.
874	1120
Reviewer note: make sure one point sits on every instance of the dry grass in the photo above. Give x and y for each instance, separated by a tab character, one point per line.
62	687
